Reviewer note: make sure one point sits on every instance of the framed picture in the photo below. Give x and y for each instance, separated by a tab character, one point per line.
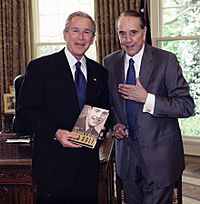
9	103
11	89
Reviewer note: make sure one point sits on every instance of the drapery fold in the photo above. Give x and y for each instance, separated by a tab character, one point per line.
145	10
15	41
106	13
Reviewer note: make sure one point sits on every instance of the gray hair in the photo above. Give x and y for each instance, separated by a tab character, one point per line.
80	14
132	13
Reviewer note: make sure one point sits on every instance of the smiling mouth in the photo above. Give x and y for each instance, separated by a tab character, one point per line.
130	46
95	119
80	44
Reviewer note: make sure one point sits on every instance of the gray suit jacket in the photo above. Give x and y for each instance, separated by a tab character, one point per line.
158	134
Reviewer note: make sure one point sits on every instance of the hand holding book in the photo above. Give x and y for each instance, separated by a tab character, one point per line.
63	137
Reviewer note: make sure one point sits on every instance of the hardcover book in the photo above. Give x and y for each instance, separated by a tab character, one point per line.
89	125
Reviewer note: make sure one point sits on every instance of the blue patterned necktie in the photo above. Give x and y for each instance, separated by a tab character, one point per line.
130	104
80	85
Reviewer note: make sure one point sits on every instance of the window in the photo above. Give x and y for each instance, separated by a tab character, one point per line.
176	28
49	19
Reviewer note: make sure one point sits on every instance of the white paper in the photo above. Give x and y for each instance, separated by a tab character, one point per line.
12	140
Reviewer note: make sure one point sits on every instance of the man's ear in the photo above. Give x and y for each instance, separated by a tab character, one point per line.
93	40
89	109
145	33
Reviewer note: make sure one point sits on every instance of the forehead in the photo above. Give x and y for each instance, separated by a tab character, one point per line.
128	23
81	22
99	110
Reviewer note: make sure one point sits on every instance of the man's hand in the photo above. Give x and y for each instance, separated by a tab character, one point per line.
120	131
102	134
63	137
133	92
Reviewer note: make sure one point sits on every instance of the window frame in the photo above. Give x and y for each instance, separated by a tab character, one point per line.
36	40
191	144
91	52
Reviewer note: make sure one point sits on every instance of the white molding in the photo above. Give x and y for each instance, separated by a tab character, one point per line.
191	146
154	13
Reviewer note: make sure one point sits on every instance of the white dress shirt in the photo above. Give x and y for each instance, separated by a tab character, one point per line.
72	61
150	101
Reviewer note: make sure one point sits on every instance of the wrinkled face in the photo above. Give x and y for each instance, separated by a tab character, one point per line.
131	35
79	36
96	116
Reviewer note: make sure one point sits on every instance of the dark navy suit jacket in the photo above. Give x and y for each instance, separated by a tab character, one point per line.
47	102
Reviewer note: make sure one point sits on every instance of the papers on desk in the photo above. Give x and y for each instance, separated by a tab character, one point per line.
12	140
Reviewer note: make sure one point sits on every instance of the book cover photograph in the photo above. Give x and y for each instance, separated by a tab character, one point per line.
89	125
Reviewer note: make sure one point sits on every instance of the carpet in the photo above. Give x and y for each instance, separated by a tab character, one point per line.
191	190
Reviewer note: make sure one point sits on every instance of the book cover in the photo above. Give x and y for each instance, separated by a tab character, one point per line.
89	125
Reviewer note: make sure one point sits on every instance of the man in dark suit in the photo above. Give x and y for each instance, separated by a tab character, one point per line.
149	149
49	105
94	117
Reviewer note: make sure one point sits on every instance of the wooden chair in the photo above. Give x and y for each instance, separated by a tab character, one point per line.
177	194
17	126
106	177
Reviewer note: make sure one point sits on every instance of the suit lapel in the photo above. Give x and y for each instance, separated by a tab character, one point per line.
61	69
146	66
118	77
119	64
92	81
119	74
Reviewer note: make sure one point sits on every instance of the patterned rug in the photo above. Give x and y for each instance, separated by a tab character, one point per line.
191	191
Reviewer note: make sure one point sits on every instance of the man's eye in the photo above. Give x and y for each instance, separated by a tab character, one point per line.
133	32
122	33
87	32
75	30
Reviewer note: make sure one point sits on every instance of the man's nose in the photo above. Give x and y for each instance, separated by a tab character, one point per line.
98	115
81	34
128	37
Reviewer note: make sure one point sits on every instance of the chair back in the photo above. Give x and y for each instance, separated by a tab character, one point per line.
17	126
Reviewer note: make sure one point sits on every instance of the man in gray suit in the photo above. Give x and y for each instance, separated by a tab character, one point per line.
150	158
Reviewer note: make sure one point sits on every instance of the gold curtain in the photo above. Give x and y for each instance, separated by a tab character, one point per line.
106	13
15	41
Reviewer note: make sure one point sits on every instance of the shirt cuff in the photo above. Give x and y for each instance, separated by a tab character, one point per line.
149	104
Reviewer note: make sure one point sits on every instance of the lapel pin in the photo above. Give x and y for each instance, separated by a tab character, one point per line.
95	79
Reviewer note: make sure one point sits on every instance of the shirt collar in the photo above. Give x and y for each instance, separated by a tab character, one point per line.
72	60
137	58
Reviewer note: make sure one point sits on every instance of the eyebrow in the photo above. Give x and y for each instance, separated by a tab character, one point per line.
86	29
133	30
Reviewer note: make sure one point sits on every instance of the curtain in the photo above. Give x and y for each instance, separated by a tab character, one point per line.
145	10
106	13
15	41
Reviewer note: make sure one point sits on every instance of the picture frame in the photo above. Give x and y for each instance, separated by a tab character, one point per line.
11	89
9	103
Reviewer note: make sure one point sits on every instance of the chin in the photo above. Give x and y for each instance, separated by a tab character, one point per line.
131	53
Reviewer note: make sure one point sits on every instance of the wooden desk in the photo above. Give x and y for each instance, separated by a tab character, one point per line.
16	185
6	121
